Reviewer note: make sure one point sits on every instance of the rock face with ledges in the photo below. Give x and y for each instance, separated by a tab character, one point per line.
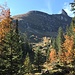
41	24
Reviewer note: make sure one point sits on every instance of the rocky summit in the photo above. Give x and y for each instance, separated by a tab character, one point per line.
37	24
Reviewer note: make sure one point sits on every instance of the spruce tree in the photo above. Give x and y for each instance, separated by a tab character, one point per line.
73	7
73	20
70	29
27	64
11	54
54	43
59	39
37	58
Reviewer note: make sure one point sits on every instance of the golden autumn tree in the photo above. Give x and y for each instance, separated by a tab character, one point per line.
11	52
5	21
53	56
67	50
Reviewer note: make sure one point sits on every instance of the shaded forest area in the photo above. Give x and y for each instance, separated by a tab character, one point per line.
51	56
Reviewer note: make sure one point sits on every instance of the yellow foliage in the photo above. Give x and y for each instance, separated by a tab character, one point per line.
68	44
74	29
53	55
67	50
5	21
46	41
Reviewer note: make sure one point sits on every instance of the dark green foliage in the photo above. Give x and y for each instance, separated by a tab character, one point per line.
27	64
11	57
59	39
54	43
73	6
70	29
67	30
73	19
47	50
38	58
24	42
27	48
17	27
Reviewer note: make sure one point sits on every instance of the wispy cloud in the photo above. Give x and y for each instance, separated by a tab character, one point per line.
67	8
47	8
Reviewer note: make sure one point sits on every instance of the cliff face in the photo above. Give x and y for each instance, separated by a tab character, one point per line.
39	24
64	13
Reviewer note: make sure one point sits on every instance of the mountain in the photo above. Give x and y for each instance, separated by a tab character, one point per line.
38	24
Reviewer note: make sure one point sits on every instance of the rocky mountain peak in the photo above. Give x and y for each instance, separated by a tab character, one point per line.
37	12
40	24
64	12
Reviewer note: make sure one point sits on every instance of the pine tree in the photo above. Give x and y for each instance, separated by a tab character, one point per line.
59	39
11	54
27	64
54	43
73	20
70	31
73	6
10	46
37	58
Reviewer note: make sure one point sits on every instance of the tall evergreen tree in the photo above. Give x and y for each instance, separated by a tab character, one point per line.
73	7
59	39
70	31
54	43
27	64
37	58
73	19
11	54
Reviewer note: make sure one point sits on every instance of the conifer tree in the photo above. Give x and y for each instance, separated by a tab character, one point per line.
73	19
73	7
70	31
37	58
27	64
47	43
10	46
59	39
54	43
11	54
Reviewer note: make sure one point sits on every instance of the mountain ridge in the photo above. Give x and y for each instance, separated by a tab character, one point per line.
41	24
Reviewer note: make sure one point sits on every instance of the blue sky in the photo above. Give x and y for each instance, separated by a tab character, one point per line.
48	6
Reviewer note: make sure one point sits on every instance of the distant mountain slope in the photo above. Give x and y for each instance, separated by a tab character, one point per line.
39	24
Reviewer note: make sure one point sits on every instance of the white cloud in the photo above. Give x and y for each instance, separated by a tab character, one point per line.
67	8
48	8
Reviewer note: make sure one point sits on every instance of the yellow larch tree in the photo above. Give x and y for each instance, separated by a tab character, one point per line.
5	21
53	56
67	49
